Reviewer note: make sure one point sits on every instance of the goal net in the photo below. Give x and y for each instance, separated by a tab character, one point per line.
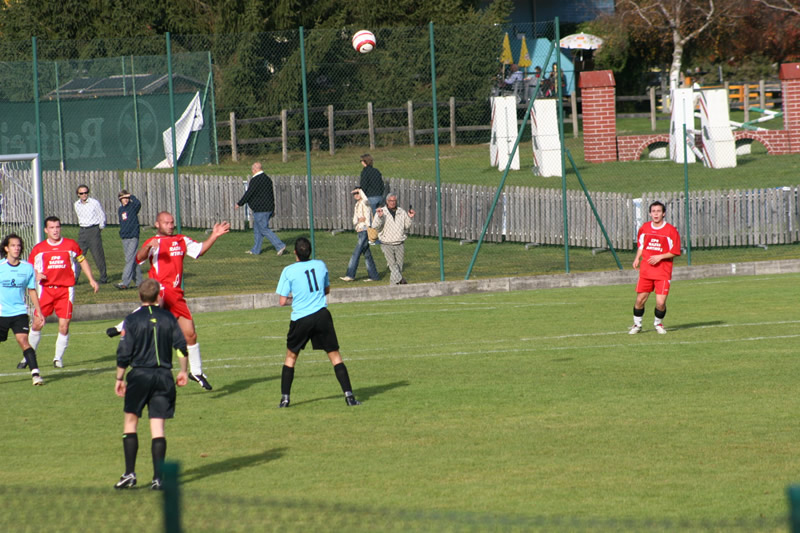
21	198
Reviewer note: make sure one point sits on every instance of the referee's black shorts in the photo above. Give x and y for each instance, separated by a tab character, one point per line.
17	324
153	387
317	327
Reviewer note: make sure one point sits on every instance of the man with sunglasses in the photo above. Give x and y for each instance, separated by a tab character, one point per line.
92	220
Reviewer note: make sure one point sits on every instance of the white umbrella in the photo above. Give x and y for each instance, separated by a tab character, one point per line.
581	41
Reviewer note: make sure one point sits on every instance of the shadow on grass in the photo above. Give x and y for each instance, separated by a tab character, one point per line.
361	394
231	465
693	325
239	386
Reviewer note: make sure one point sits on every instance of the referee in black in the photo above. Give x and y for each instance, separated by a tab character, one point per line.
148	336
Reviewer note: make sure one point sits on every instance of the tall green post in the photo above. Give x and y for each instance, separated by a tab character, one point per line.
37	122
308	144
213	109
688	239
136	117
436	151
175	177
60	120
560	100
172	497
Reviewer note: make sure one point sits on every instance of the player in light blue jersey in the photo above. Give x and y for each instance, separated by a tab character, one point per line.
16	277
305	286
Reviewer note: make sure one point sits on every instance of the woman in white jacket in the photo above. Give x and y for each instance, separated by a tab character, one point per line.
361	220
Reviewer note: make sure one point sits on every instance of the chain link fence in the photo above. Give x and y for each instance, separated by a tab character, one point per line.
105	108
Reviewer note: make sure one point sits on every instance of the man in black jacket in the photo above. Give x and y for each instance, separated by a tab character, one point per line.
372	182
149	335
260	197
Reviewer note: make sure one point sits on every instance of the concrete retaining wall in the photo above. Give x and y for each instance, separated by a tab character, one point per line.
117	311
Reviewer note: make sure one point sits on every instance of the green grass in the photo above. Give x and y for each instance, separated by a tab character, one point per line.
226	269
512	408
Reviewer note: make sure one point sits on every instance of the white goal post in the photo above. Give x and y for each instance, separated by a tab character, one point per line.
21	209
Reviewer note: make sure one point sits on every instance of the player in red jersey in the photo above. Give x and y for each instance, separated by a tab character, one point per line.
54	261
657	242
166	252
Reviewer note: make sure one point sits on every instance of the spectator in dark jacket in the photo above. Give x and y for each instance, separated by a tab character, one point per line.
260	197
129	233
371	182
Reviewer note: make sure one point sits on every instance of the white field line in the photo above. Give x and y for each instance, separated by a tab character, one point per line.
459	353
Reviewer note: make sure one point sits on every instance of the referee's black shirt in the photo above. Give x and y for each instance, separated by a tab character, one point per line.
149	335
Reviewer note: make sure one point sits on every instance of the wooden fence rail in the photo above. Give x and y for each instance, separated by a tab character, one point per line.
756	217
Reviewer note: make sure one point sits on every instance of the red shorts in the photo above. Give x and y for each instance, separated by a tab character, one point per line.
661	286
58	299
173	301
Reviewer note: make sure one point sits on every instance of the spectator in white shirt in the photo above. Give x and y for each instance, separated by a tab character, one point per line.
92	219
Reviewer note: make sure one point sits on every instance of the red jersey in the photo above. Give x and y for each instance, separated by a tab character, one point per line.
655	241
166	258
58	262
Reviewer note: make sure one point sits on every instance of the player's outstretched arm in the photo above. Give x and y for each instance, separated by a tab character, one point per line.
217	231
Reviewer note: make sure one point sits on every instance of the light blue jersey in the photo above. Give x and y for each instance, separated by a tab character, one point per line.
14	281
306	282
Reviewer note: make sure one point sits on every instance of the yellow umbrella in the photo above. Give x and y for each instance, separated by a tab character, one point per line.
524	56
505	57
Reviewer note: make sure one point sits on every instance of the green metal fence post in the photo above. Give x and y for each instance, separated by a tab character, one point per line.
559	98
175	177
213	109
436	150
172	500
63	164
308	143
37	125
688	239
136	117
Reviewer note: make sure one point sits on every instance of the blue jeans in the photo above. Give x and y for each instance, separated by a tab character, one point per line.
362	247
373	202
261	230
132	273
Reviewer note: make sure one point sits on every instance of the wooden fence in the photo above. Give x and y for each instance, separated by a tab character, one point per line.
762	94
524	214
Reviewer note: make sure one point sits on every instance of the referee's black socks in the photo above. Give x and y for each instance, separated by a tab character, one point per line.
130	445
158	448
287	376
343	377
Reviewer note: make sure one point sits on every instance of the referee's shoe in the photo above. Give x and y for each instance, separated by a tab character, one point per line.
202	380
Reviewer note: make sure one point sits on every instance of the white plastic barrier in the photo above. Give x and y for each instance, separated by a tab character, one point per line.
544	137
504	132
719	145
682	114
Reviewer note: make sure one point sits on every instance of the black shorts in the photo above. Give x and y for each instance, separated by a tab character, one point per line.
153	387
318	327
17	324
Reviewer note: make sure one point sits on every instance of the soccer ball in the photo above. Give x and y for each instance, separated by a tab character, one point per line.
364	41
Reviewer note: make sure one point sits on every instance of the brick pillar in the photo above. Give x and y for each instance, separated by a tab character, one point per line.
790	86
599	119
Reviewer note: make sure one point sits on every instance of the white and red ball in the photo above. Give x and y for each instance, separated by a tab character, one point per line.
364	41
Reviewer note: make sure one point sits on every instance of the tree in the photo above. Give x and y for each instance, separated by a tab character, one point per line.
781	5
683	20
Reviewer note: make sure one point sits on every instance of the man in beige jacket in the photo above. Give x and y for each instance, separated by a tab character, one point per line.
393	223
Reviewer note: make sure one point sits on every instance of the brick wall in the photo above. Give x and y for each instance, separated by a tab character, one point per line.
599	116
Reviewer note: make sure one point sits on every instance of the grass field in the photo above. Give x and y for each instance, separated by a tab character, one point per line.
511	411
226	269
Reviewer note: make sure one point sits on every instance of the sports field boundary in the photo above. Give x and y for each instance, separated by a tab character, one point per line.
371	293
